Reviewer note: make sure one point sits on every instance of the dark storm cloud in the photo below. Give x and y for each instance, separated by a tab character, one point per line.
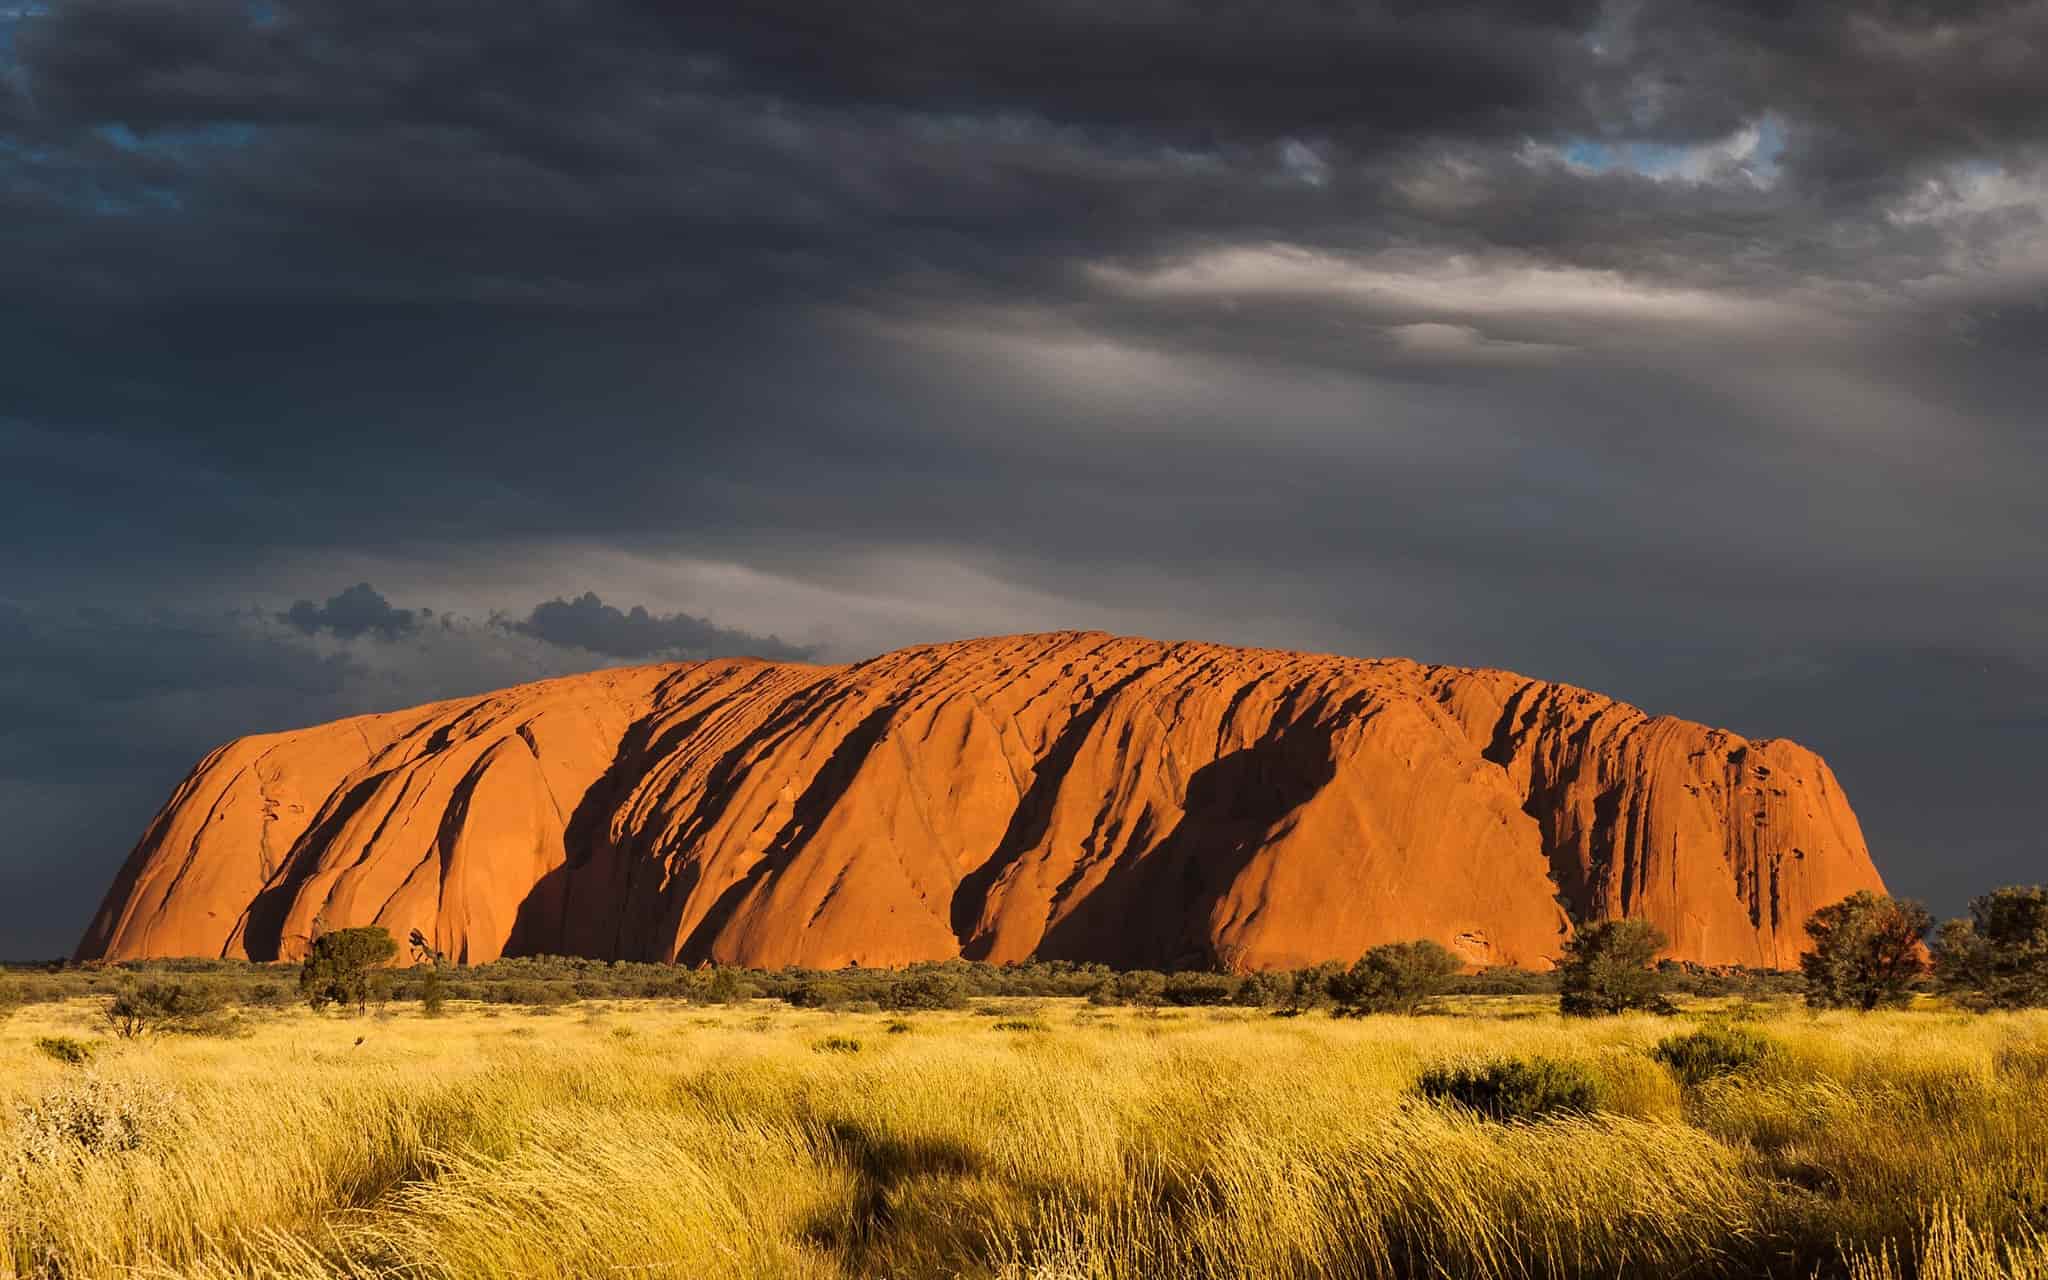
1632	343
357	611
589	623
600	154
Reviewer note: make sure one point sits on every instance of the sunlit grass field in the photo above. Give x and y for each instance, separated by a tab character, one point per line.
1021	1139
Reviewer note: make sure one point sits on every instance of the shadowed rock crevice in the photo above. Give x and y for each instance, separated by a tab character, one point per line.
263	930
1028	824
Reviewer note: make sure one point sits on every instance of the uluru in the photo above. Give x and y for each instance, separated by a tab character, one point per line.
1074	796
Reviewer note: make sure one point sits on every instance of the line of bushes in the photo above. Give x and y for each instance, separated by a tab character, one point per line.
1867	951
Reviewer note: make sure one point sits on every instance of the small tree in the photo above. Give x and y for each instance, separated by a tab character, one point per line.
726	988
1394	977
342	966
183	1007
1310	988
1607	969
1998	958
1866	952
433	983
433	992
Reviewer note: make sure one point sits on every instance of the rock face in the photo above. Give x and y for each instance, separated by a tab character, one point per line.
1077	796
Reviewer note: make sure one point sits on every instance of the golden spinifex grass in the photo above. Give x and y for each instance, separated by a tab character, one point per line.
661	1140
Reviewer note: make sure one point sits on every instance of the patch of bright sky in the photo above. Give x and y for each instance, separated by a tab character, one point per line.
1303	163
224	134
1751	152
1970	188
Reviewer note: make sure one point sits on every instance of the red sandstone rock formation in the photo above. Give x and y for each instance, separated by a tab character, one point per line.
1076	796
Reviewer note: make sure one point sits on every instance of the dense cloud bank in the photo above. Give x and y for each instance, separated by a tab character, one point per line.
1684	350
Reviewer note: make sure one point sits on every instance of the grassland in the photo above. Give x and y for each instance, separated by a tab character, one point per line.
1043	1139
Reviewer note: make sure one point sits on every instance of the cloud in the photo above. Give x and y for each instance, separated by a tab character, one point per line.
1590	339
1408	283
589	623
356	611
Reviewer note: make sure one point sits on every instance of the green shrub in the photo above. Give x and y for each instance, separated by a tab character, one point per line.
170	1007
1866	952
1198	989
1394	977
1513	1088
727	987
265	995
931	990
1607	970
1998	958
1504	980
537	995
1140	986
67	1049
1266	989
343	964
818	993
433	992
1715	1050
836	1044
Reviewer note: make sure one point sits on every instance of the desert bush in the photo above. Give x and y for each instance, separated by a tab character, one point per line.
1188	989
67	1049
1998	957
1266	989
898	1027
433	992
168	1007
836	1044
1607	970
1513	1088
818	993
531	994
728	987
265	995
1020	1024
1394	977
1713	1050
1141	986
1866	952
92	1115
342	968
935	989
1503	980
1311	989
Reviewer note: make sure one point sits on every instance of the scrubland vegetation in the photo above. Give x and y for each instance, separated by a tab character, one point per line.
1044	1122
1029	1137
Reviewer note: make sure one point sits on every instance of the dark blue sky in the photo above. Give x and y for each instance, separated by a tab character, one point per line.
1688	351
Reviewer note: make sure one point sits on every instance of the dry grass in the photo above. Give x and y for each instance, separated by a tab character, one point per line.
662	1140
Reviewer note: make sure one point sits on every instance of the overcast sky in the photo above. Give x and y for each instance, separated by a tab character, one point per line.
355	353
